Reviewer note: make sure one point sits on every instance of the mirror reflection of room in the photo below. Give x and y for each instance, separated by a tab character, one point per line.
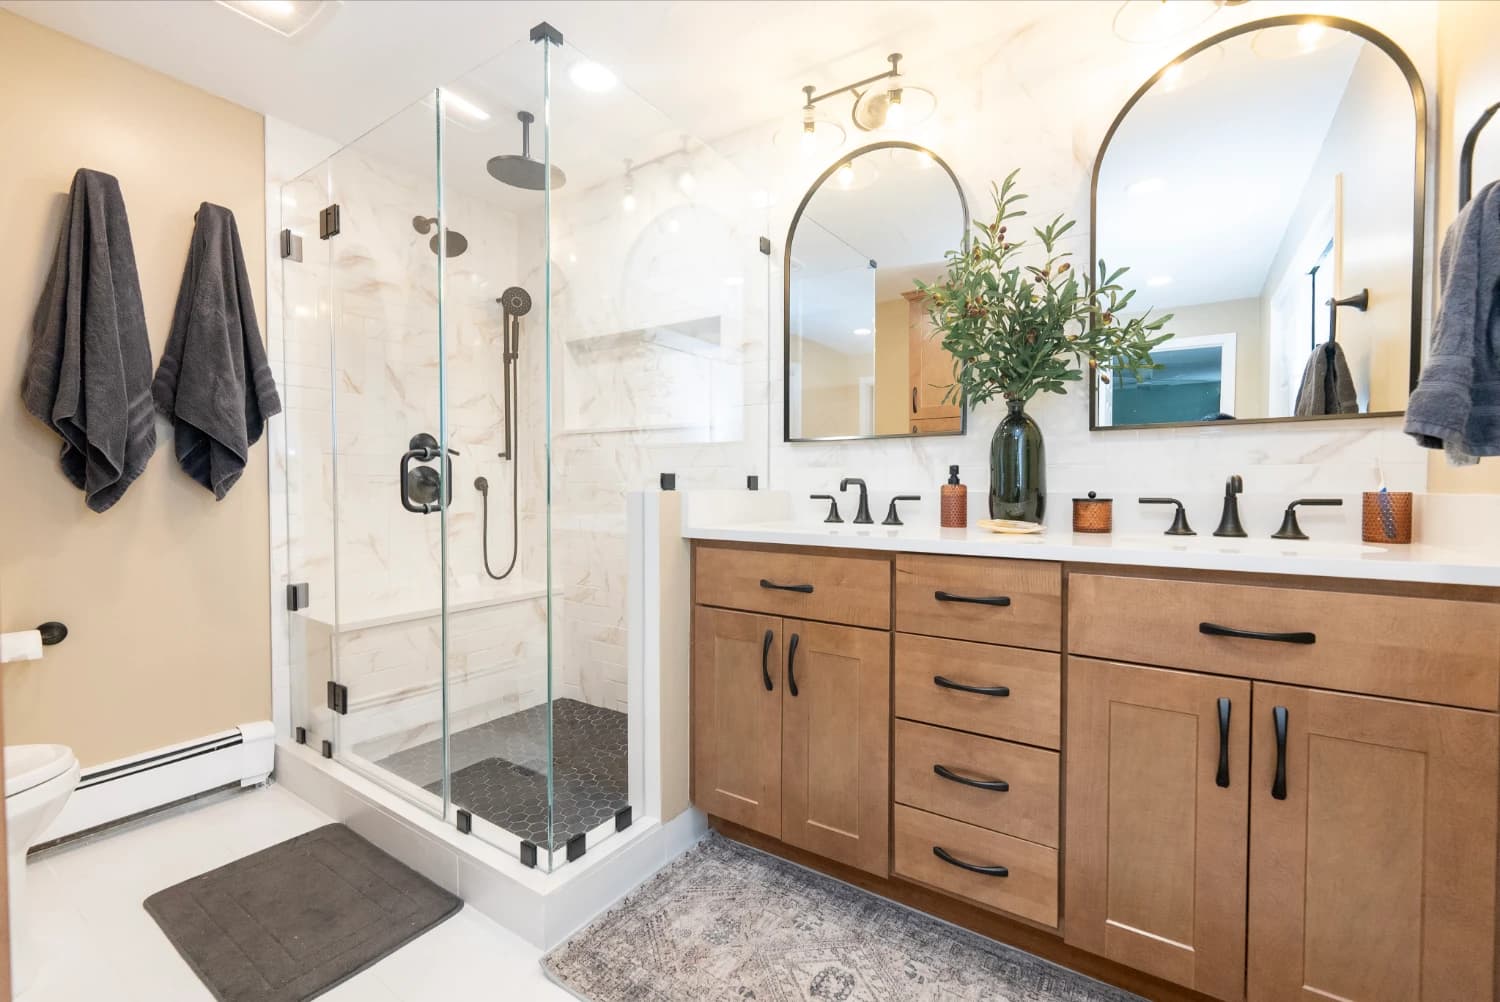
1262	192
862	358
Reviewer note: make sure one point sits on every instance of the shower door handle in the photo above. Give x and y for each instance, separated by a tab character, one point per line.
424	449
401	482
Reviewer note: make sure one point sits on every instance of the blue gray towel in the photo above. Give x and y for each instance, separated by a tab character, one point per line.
88	374
1456	405
213	380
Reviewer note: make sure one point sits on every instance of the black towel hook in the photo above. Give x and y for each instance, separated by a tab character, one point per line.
1360	301
1466	156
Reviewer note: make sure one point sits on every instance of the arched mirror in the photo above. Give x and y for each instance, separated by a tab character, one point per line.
862	360
1266	188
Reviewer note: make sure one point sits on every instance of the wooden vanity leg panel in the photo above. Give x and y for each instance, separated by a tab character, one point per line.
1374	878
1155	857
736	720
835	743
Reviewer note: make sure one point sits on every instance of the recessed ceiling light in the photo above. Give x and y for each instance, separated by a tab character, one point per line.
1157	281
463	106
1147	186
862	331
592	77
285	17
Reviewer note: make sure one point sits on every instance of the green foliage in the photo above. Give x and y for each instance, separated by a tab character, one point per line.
1015	329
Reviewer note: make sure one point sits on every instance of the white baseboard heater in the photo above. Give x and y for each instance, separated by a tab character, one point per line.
119	790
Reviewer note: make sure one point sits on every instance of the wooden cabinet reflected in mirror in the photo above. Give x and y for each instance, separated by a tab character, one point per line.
1267	189
862	359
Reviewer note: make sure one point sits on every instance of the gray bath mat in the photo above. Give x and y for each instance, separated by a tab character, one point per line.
292	921
726	923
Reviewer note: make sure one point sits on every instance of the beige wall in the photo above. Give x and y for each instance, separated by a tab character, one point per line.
1468	82
165	594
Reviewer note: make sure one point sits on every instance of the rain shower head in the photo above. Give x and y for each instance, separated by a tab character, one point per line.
457	242
522	171
515	301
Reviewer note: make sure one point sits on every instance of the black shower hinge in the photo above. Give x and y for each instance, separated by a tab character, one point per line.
545	30
301	735
576	847
528	853
328	222
298	595
291	246
623	818
464	822
752	483
338	698
327	748
765	245
669	481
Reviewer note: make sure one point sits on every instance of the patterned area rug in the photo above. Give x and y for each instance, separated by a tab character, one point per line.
727	923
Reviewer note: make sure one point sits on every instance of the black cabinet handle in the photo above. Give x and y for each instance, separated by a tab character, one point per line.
914	400
996	600
983	690
998	785
1215	630
791	664
988	871
765	654
804	589
1222	779
1278	785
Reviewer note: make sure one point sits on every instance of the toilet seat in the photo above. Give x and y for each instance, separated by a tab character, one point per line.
29	766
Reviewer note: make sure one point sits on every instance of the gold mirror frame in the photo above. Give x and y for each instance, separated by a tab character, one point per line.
1419	205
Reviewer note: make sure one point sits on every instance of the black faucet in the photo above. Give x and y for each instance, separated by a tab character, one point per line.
861	517
1229	522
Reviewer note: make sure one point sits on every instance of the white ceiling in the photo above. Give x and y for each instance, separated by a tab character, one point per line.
1233	144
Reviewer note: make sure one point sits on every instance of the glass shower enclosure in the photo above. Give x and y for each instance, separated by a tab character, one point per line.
504	309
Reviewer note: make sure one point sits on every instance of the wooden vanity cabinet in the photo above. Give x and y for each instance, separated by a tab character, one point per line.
930	368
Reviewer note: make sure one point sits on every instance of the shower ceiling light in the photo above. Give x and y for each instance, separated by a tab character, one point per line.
592	77
285	17
1147	21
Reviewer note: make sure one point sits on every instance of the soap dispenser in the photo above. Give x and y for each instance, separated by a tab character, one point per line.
955	502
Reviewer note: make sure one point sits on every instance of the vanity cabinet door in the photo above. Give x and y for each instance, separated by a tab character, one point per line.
737	690
931	371
835	743
1157	822
1372	849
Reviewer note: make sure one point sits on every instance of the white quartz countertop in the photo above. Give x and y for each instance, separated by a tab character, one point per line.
1415	562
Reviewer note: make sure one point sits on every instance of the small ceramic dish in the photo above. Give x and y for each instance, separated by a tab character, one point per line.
1010	527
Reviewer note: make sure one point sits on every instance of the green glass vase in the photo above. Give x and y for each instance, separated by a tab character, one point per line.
1018	467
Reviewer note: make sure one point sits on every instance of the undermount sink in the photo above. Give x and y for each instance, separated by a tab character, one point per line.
1252	546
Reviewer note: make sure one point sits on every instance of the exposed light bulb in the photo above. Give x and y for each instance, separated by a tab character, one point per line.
1309	35
628	202
845	174
895	112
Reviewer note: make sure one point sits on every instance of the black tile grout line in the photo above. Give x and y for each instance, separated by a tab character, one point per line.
499	769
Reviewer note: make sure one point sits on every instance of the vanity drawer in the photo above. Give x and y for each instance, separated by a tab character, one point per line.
1015	602
1027	808
1028	889
832	589
1426	649
1029	711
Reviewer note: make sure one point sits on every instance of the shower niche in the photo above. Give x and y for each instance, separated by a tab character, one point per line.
513	328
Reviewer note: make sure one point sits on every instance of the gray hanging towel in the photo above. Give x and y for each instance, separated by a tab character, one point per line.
1327	387
213	381
88	374
1456	405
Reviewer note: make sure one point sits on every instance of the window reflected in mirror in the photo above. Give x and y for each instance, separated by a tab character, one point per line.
862	360
1265	190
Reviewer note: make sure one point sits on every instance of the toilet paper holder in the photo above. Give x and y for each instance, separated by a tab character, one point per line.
52	633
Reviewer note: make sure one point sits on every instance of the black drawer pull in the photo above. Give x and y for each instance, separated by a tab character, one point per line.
995	600
1215	630
791	664
998	785
1222	779
803	589
983	690
988	871
765	653
1278	785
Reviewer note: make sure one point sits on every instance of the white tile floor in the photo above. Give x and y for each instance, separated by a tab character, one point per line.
99	943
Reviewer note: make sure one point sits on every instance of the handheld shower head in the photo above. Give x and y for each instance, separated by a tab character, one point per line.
515	301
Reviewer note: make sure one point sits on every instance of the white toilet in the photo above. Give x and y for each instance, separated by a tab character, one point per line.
39	779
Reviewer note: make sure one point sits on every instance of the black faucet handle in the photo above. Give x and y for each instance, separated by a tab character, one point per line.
1180	525
891	518
1289	527
833	506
